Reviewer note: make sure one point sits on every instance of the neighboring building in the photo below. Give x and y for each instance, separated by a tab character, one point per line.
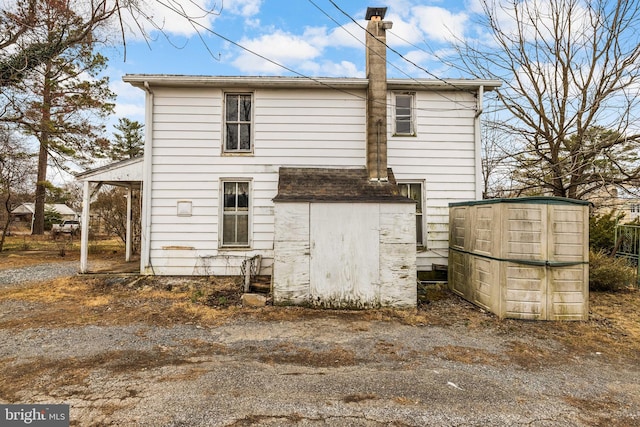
215	148
25	211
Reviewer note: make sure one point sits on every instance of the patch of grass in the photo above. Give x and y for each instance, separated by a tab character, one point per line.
468	355
25	250
359	397
290	354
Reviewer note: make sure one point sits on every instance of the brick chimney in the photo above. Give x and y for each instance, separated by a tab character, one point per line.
376	46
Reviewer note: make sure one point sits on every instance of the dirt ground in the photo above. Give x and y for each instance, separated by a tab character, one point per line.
183	351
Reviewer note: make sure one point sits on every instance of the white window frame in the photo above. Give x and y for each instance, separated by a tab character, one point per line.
224	213
238	123
420	209
411	116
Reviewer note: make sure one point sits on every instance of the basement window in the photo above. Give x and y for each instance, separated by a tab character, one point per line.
404	120
413	190
238	118
235	214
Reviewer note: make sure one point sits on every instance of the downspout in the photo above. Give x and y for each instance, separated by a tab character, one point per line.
147	175
478	143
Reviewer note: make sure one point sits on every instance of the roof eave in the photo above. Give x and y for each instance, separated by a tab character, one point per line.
170	80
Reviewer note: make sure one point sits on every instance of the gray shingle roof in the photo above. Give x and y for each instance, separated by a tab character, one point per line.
335	185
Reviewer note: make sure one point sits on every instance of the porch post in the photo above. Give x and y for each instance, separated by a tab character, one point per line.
84	229
128	231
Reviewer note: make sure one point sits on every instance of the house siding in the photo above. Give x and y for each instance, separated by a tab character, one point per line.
312	127
442	157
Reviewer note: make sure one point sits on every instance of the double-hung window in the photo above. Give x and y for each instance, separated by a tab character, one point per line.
413	190
235	213
238	123
404	122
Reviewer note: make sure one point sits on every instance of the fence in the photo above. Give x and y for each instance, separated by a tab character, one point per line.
628	246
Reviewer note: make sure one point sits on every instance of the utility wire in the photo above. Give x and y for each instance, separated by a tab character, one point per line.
464	107
291	70
401	55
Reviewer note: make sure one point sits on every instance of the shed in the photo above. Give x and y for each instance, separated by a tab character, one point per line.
343	240
524	258
25	211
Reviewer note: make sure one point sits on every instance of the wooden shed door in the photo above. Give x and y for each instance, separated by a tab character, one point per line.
344	262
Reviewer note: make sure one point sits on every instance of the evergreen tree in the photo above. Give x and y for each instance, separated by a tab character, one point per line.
63	102
128	141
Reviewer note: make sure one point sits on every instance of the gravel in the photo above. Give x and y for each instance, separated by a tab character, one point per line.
322	371
38	272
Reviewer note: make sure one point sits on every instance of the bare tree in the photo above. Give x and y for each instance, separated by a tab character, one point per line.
571	73
16	169
22	47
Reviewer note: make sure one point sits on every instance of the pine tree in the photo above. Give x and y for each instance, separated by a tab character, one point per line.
128	141
63	103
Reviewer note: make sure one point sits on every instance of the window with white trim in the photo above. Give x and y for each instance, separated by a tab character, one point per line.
404	120
413	190
238	118
235	213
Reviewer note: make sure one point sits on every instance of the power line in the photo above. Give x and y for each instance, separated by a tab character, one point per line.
316	80
401	55
387	61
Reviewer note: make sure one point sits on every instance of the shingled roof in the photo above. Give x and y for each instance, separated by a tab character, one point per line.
335	185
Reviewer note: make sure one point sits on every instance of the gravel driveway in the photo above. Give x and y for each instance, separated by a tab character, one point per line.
38	272
329	368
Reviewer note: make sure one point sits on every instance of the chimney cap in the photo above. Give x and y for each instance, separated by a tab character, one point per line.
375	11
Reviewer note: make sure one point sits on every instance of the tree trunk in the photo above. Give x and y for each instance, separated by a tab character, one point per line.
5	228
43	157
41	191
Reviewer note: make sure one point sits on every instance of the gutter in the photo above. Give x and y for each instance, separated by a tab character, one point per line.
147	175
478	143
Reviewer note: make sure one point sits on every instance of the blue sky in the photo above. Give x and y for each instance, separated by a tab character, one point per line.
310	37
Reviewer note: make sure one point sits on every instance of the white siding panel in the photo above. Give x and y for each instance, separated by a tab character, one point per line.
315	128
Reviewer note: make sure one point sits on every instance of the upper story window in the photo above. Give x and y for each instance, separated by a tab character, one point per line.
404	120
238	123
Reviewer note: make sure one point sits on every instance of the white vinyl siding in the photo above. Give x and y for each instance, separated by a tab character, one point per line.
291	128
442	156
315	128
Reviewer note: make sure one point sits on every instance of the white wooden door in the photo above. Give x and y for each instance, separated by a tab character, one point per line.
344	254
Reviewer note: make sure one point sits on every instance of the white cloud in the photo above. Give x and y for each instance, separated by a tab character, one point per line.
130	101
245	8
439	24
172	17
281	47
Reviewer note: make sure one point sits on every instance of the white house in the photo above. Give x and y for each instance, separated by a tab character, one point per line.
215	147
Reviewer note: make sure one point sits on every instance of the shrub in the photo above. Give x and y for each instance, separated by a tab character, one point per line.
609	274
602	231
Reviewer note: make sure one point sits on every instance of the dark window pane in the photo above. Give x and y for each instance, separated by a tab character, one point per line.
419	229
403	112
243	195
232	108
245	137
416	194
403	126
245	109
232	137
228	229
242	236
403	101
230	191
